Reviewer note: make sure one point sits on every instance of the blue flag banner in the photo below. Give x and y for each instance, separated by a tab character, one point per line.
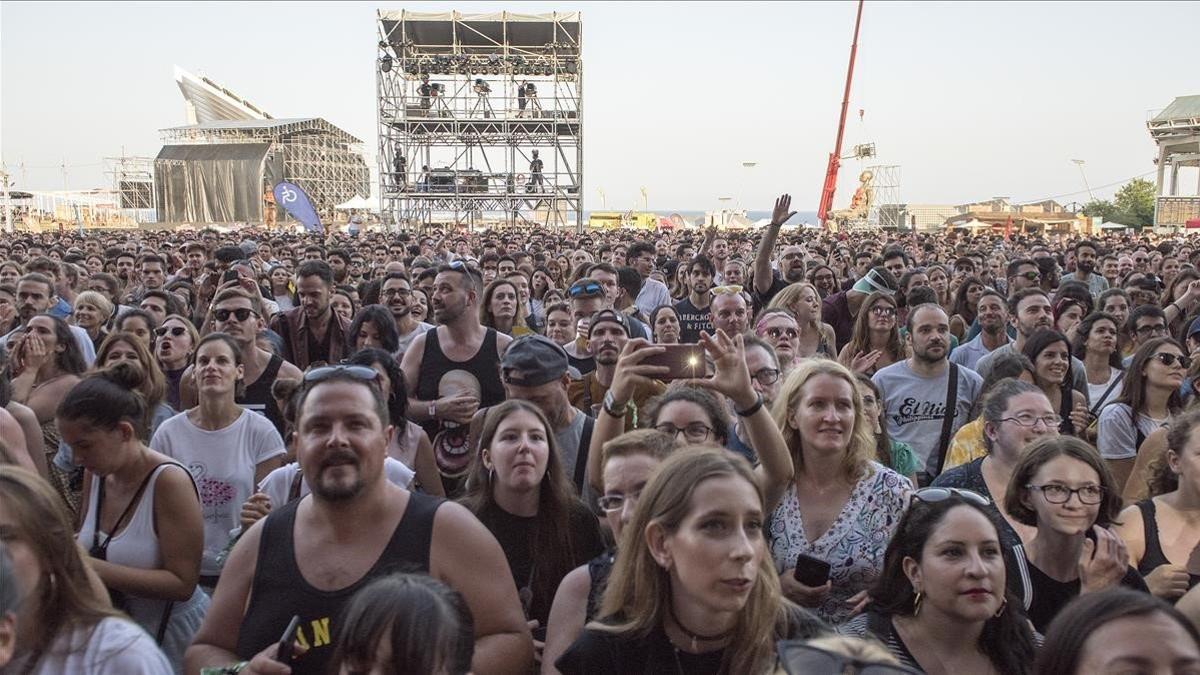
295	201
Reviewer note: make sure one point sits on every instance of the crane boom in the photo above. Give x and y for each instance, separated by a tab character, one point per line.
831	172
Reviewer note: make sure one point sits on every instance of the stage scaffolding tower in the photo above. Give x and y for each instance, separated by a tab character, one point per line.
465	102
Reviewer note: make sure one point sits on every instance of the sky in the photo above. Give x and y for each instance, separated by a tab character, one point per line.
971	100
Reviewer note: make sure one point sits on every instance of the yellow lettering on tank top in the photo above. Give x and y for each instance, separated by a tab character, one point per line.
300	637
320	628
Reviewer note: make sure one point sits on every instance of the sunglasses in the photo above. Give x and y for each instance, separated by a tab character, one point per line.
777	333
1032	276
933	495
175	331
584	289
325	372
725	290
798	658
460	266
1168	359
883	310
241	313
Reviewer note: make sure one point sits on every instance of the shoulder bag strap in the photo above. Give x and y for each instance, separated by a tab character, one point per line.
1104	397
102	548
948	416
581	457
294	488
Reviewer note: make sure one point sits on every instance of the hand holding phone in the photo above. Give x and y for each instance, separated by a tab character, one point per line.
286	642
810	571
682	361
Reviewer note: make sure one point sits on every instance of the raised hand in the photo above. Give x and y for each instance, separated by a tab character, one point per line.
782	212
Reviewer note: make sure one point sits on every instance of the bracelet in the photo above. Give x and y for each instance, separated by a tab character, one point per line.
432	409
752	409
231	669
610	406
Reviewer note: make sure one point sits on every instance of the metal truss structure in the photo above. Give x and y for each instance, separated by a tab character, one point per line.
133	186
480	119
318	156
886	179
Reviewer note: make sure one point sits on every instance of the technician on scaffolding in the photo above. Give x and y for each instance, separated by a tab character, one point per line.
535	173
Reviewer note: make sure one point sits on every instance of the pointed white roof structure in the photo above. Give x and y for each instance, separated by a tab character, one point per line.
208	101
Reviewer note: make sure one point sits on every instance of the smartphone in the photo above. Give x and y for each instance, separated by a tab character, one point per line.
284	655
230	275
1090	533
682	361
811	571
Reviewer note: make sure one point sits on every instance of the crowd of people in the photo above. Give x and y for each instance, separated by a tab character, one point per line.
517	451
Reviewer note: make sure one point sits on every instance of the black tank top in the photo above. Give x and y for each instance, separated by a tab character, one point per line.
279	591
479	373
257	396
1153	556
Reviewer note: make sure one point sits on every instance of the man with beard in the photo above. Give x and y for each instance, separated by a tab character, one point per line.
916	391
766	283
307	558
654	293
453	369
35	295
396	295
607	334
992	317
728	310
693	310
312	332
339	262
1029	310
236	313
609	279
1022	273
1085	267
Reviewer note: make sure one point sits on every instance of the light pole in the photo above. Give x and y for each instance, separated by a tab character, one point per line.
1079	163
742	187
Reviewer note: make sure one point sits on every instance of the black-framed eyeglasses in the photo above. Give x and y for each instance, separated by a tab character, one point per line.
175	331
766	376
1028	420
933	495
1061	494
393	292
696	432
241	313
585	288
1155	329
616	502
1169	360
800	658
323	373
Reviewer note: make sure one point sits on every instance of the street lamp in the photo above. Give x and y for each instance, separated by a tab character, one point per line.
1079	163
742	187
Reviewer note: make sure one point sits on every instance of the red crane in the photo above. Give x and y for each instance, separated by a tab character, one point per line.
831	172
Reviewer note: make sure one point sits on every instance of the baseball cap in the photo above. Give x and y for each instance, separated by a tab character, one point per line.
534	360
610	316
1192	330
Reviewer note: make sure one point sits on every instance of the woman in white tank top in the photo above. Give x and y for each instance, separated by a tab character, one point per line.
141	519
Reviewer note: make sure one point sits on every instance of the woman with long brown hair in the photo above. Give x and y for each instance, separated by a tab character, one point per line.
966	306
499	309
692	589
875	342
65	623
521	493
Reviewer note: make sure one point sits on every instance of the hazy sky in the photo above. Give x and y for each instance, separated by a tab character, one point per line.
972	100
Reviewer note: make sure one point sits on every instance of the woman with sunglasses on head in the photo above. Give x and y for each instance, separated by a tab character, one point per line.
1050	353
941	603
692	589
228	448
1165	527
1119	631
628	462
140	519
65	621
843	505
966	305
173	349
875	342
1062	488
1149	398
521	493
815	338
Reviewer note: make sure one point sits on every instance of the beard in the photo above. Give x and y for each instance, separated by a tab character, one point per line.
337	490
1085	267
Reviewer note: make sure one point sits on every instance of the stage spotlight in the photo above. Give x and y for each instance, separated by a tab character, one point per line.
385	64
572	67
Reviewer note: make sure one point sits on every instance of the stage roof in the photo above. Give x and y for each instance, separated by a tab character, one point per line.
1183	107
210	102
429	31
281	127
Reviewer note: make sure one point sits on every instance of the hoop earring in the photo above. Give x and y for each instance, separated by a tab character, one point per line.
917	604
1003	606
492	476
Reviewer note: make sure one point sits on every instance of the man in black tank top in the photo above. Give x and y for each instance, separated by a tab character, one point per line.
455	368
308	558
235	312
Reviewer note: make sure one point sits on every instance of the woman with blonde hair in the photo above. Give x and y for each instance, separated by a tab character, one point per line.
65	623
843	505
804	302
692	589
875	342
92	313
177	340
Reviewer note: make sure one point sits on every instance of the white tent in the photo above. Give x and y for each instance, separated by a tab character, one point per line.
1112	226
973	224
357	203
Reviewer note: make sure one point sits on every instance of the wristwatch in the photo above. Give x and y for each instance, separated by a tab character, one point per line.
611	407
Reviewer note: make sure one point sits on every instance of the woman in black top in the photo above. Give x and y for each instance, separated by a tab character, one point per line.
1050	353
1062	487
1162	532
521	494
942	599
693	589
